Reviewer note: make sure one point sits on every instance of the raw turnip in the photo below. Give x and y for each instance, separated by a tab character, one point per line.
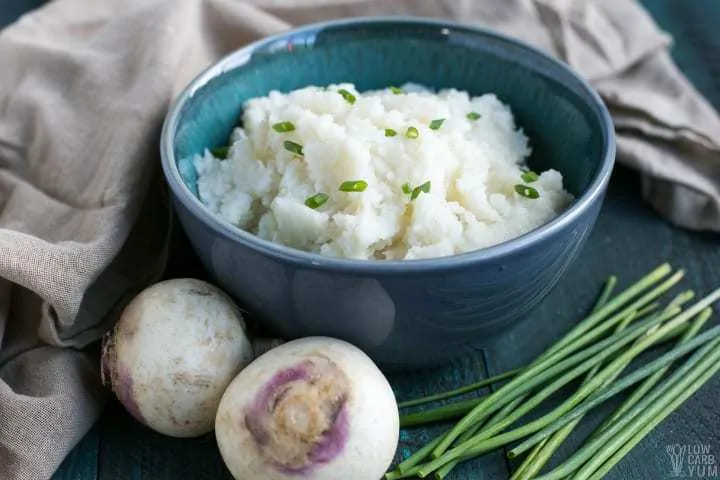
314	408
172	353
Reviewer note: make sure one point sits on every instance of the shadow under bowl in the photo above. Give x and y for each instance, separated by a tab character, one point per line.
415	313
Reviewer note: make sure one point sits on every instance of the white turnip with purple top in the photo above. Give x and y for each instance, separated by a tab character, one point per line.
172	353
315	408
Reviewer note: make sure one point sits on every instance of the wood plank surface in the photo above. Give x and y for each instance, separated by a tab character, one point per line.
82	463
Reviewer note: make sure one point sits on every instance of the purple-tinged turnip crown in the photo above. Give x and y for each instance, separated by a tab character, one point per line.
299	418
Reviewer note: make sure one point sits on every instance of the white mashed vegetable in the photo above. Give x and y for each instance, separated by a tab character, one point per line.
446	183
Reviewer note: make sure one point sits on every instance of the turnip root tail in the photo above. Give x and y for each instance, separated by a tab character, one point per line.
113	379
108	360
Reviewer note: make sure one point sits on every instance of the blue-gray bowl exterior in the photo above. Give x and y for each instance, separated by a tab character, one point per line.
413	313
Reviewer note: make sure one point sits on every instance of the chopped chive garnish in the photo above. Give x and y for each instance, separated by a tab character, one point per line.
406	188
527	191
220	153
349	97
437	123
353	186
530	176
396	90
473	116
424	188
412	132
284	127
389	132
293	147
317	200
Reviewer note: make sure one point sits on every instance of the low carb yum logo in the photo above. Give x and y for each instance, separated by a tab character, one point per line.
695	461
677	458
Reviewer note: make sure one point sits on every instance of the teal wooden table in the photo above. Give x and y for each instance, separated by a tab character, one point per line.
628	240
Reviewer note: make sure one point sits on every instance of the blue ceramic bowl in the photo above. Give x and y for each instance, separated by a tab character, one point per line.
412	313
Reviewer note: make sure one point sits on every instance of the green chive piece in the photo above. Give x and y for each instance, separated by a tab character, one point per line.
293	147
527	191
473	116
353	186
530	176
396	90
437	123
349	97
415	192
458	391
220	153
317	200
284	127
389	132
412	132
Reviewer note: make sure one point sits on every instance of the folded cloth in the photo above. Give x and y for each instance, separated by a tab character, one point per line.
83	91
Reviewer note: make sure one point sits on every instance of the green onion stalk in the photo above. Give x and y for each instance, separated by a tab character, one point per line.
545	449
609	314
662	400
691	370
584	333
445	470
599	348
485	441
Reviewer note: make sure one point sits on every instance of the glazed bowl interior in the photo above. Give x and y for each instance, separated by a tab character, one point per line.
550	104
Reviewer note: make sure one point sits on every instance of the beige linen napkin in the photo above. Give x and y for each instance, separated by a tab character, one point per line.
84	86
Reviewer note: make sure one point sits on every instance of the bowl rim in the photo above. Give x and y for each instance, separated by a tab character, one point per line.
237	58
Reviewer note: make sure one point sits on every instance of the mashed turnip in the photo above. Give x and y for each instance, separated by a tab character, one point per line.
379	175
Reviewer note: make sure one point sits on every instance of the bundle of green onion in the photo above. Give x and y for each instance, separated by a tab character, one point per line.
594	353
